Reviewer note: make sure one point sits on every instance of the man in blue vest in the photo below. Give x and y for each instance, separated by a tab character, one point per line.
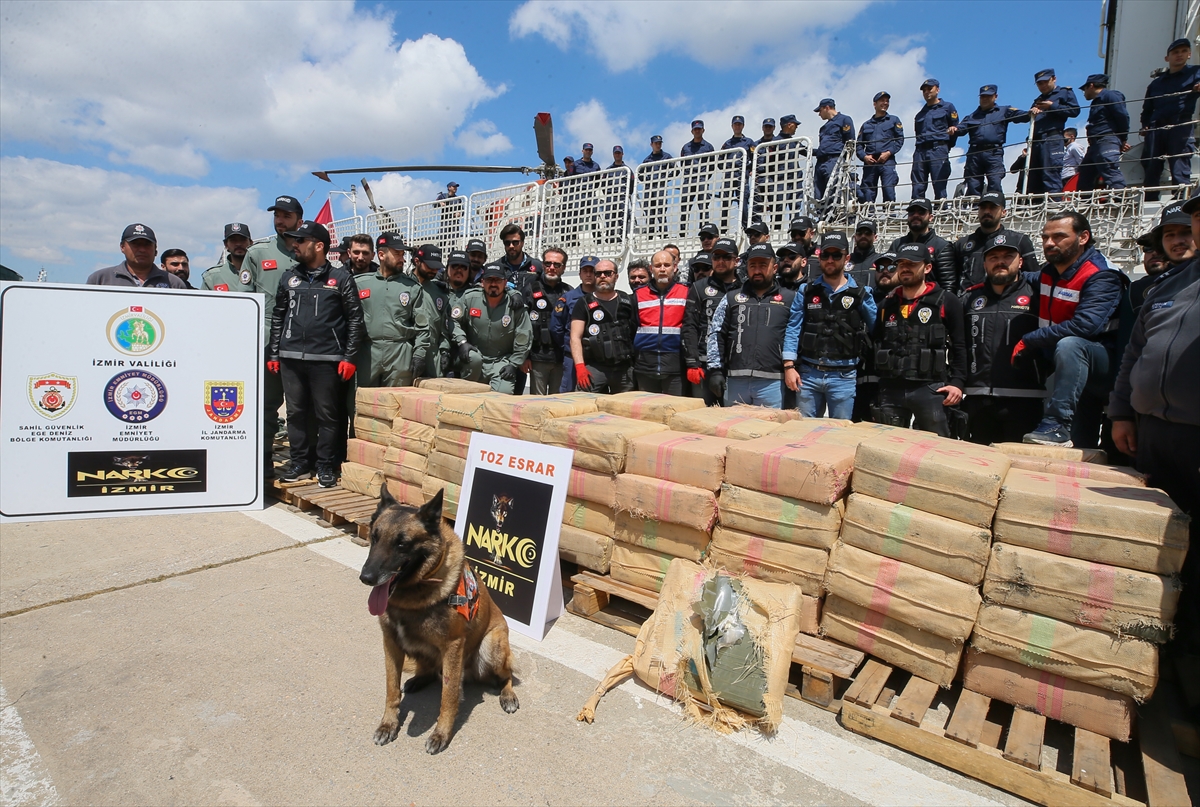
1107	134
987	130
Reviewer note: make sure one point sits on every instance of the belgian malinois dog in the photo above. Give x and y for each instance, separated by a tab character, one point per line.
432	608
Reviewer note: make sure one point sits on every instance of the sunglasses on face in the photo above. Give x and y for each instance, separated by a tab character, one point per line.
552	263
608	273
832	255
514	242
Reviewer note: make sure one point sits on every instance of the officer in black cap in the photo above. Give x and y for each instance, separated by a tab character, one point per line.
936	130
987	130
585	164
453	207
733	190
880	139
396	349
702	300
708	236
1172	240
656	187
862	257
791	263
921	231
786	168
491	340
1050	111
695	177
1003	399
768	132
546	354
1107	134
921	352
617	191
1168	118
427	264
477	254
757	232
458	276
139	269
603	324
699	267
224	276
1154	263
968	250
835	133
883	273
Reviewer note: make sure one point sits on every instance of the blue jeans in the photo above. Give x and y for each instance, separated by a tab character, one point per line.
754	391
1079	365
834	389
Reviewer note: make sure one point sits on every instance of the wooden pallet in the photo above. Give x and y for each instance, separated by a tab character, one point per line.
1024	753
821	669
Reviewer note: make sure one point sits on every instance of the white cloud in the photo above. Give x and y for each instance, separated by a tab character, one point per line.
628	34
480	139
591	122
400	190
170	86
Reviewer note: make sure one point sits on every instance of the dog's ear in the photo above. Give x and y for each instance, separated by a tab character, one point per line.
430	513
386	500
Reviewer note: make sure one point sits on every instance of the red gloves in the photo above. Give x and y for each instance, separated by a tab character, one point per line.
346	370
273	366
1017	351
583	379
695	375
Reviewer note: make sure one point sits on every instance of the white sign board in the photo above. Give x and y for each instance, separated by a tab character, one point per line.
116	401
509	516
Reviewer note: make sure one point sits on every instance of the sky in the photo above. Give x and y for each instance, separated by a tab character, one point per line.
186	116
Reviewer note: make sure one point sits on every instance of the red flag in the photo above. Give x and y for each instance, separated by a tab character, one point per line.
326	214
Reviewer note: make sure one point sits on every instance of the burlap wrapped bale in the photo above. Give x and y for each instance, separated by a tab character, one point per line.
1092	708
779	517
639	567
464	409
373	430
410	435
358	478
600	440
948	477
404	492
379	402
803	426
766	559
1119	525
735	422
925	600
813	473
446	467
922	653
689	459
591	550
585	515
663	537
1080	470
365	453
878	428
931	542
815	431
593	486
421	407
1120	601
1052	452
431	485
1092	656
647	405
661	500
456	386
406	465
453	440
522	417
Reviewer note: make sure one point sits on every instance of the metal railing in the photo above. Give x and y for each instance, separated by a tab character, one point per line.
780	185
386	221
344	228
588	214
439	222
491	211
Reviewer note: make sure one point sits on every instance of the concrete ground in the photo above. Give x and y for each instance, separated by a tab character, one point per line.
229	659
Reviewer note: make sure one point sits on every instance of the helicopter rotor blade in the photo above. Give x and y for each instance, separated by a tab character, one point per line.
370	196
543	131
476	169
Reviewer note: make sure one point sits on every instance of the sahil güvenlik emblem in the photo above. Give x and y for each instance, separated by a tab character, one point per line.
52	396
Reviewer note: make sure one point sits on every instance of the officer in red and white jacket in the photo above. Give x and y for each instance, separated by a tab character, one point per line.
657	343
1079	303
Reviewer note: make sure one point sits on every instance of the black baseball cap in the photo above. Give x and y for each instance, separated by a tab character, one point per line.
995	197
930	82
768	122
787	249
392	240
452	184
701	259
458	258
1000	240
697	124
758	226
867	224
786	119
656	139
1172	214
288	204
738	119
801	223
881	94
835	241
988	89
824	103
138	232
1191	205
618	149
725	245
475	245
708	228
310	229
887	258
237	228
1182	42
430	255
588	147
760	251
1099	79
914	252
491	270
1044	75
923	204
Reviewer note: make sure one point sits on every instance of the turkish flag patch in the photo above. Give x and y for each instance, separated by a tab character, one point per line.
364	294
475	312
270	264
593	304
1022	300
222	287
331	281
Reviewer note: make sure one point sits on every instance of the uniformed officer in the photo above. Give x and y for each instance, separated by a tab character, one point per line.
702	300
1154	263
397	345
477	254
139	246
618	194
968	250
835	133
266	262
883	273
921	231
1168	115
656	187
1107	134
880	139
603	324
936	130
695	177
768	132
1050	112
787	168
1003	401
733	190
546	354
560	320
987	130
745	337
1169	249
699	267
708	236
224	276
585	164
568	166
790	265
862	257
828	331
491	339
458	275
921	355
453	206
427	262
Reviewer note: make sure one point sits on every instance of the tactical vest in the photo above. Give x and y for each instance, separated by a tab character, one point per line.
1059	298
913	348
994	327
541	302
753	332
608	340
833	325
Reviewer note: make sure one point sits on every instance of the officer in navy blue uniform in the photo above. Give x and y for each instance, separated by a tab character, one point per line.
768	131
837	130
1050	112
987	129
732	190
880	139
1168	113
618	192
656	185
1107	134
788	169
585	164
694	176
936	130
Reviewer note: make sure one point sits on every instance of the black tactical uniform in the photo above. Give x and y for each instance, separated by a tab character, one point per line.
702	300
609	327
546	355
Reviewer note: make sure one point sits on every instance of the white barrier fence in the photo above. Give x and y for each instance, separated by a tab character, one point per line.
492	211
588	214
389	221
344	228
780	184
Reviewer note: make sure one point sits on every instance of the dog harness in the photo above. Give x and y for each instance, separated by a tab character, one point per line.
466	599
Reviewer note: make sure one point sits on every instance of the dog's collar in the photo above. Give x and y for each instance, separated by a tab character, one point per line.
438	568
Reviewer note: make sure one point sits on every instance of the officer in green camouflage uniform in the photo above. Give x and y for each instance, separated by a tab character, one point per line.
397	349
458	276
225	276
427	262
491	338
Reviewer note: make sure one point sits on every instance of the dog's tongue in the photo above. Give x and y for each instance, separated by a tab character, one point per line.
378	599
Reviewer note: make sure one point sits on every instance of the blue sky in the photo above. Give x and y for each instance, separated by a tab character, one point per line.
117	118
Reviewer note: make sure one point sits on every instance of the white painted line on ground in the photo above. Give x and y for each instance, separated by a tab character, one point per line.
811	751
296	527
23	777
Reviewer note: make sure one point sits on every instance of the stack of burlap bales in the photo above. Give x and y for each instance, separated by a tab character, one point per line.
903	578
409	445
737	422
460	414
1080	586
601	443
647	405
362	472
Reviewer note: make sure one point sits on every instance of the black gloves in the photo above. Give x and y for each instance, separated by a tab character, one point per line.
716	383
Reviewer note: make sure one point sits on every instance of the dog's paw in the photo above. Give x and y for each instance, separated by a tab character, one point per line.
386	732
419	682
437	741
508	702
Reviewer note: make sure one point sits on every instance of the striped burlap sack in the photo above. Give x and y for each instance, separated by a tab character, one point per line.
593	486
450	493
446	467
406	465
404	492
453	440
735	422
379	402
1052	452
689	459
647	405
365	452
922	653
817	473
589	516
421	407
591	550
675	540
411	436
358	478
455	386
639	567
600	440
1080	470
779	517
373	430
464	409
766	559
522	417
653	499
